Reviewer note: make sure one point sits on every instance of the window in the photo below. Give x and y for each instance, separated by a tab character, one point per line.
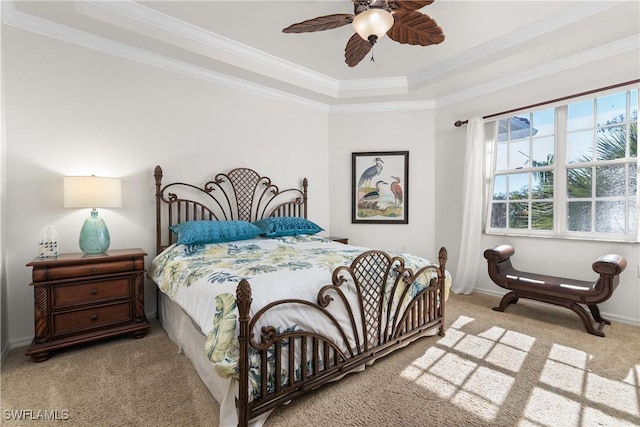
568	171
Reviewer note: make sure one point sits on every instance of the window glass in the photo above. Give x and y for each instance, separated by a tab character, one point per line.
519	215
610	217
579	216
501	156
579	182
611	109
543	149
611	181
580	146
502	130
518	186
542	215
499	215
611	143
544	122
598	169
543	185
580	115
518	153
500	187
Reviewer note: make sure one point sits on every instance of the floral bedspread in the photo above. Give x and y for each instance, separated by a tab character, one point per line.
202	279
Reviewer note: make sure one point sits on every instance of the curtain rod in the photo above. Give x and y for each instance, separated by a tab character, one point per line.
551	101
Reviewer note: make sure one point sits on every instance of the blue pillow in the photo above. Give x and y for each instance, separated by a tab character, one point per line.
286	226
202	232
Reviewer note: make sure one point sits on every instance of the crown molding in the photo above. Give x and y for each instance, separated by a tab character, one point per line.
23	21
383	107
373	87
596	54
151	23
581	11
12	17
141	19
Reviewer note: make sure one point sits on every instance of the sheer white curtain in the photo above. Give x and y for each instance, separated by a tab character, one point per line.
464	280
637	202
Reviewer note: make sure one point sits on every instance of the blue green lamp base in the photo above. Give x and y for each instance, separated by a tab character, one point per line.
94	236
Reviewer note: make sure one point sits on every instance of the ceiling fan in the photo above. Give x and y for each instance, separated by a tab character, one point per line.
372	19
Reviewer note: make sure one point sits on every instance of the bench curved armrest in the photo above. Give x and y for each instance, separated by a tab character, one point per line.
499	253
610	265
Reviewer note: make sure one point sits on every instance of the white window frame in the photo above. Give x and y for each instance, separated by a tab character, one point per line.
560	168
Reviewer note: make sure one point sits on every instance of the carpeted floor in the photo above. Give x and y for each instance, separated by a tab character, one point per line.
531	366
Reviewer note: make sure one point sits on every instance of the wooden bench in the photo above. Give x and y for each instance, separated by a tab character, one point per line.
569	293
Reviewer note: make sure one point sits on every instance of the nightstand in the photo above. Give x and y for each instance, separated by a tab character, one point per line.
344	240
79	298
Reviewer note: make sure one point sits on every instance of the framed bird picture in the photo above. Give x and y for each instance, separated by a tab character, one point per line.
380	187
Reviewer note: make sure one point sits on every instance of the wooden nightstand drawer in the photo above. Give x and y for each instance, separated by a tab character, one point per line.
79	298
73	271
90	292
80	320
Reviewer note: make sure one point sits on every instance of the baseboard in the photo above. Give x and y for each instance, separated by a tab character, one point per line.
607	315
13	344
25	341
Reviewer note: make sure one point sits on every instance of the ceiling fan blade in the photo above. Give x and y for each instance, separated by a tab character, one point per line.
357	48
321	23
402	5
415	28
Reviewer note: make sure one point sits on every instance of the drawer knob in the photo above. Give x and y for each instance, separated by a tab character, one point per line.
94	270
94	317
94	291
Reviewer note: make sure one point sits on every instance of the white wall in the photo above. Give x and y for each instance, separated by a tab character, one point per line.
567	258
72	110
389	131
4	328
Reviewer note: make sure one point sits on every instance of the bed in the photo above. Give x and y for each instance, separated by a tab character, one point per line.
265	307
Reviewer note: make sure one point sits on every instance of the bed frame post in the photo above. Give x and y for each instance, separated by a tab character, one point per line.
442	261
157	174
243	300
305	184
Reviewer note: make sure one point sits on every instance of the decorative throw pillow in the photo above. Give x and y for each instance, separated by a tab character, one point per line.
202	232
286	226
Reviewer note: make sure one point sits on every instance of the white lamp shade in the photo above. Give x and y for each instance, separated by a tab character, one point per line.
373	22
92	192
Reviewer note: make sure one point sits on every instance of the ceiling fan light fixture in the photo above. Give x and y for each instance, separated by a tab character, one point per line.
373	22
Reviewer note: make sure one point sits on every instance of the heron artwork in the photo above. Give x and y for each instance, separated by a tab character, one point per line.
370	173
380	187
396	190
370	199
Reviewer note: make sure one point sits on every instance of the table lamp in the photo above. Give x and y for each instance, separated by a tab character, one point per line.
93	192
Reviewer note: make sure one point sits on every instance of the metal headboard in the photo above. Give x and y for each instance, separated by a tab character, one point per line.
240	194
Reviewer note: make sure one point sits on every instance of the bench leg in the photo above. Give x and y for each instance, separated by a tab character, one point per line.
586	321
595	312
513	296
508	298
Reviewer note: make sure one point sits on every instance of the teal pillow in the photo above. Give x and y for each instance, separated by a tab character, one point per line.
286	226
202	232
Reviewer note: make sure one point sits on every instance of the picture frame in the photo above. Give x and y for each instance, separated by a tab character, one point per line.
380	187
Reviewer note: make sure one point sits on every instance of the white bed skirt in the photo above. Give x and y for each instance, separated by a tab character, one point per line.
191	341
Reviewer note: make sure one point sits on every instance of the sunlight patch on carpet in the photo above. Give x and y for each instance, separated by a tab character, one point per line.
569	356
600	390
564	377
478	371
551	409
